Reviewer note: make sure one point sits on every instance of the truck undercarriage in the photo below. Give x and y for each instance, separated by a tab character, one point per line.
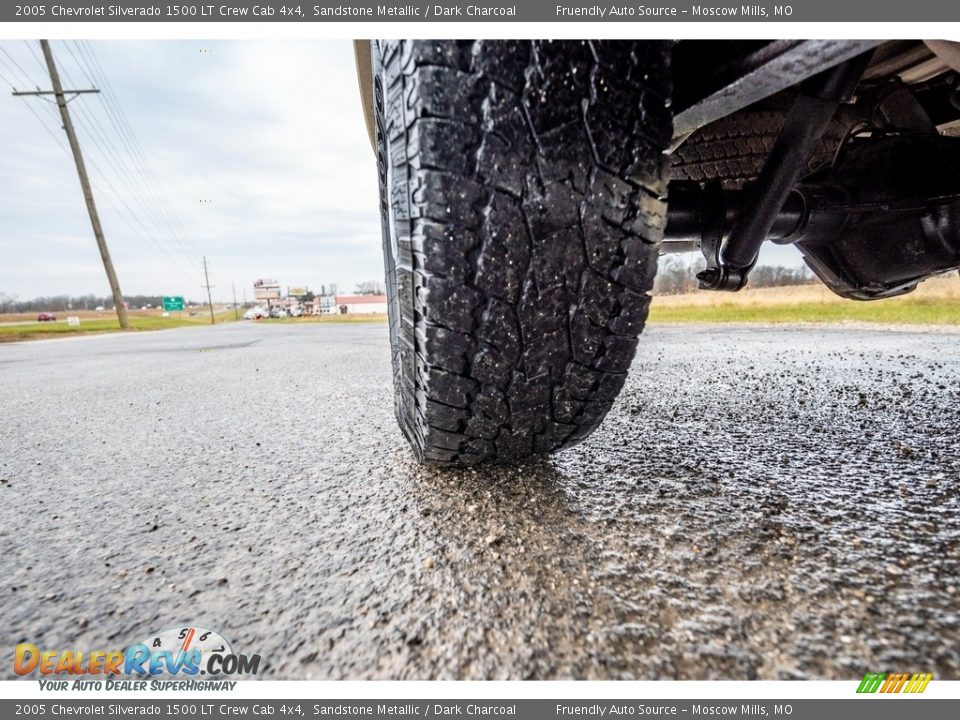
878	215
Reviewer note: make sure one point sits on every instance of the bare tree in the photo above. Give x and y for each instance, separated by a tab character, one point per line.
370	287
676	275
780	276
59	303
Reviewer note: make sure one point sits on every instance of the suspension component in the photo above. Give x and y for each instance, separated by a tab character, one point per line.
884	217
730	260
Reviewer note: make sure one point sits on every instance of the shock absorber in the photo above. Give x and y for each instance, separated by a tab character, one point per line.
730	260
885	216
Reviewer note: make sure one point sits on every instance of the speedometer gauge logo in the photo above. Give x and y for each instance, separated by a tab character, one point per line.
191	647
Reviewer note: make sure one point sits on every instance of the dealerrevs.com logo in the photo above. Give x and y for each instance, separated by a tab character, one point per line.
187	653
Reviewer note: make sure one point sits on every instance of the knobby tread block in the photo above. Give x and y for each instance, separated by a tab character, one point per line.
522	190
734	148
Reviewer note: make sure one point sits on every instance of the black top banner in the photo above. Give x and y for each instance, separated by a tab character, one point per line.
480	11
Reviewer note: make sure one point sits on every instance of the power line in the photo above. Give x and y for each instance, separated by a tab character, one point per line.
140	155
4	78
10	70
50	132
148	237
141	192
19	67
66	44
113	157
84	182
206	278
43	67
156	244
127	214
124	135
121	124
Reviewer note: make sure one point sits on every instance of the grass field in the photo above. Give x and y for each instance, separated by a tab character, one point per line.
935	302
332	319
100	324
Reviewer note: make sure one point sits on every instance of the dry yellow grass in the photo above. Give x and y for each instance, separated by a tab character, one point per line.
935	302
944	287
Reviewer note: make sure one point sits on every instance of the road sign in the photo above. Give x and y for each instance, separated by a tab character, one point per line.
266	293
173	303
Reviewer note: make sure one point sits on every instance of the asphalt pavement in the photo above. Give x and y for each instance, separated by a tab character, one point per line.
761	503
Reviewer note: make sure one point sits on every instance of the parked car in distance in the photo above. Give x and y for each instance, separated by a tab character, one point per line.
296	311
278	312
46	317
255	314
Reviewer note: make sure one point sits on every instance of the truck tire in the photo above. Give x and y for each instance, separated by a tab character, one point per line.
733	149
522	198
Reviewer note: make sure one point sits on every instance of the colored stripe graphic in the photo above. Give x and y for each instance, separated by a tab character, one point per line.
919	682
870	683
894	682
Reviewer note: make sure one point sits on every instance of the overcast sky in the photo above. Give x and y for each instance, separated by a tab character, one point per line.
259	150
270	136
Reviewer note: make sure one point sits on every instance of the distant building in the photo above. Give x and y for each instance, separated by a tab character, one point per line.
362	304
321	305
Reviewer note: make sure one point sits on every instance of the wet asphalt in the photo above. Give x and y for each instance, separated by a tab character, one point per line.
761	503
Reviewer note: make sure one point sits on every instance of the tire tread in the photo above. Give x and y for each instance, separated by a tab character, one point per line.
522	216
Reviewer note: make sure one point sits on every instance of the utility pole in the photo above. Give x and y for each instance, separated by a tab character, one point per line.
236	315
206	278
60	93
